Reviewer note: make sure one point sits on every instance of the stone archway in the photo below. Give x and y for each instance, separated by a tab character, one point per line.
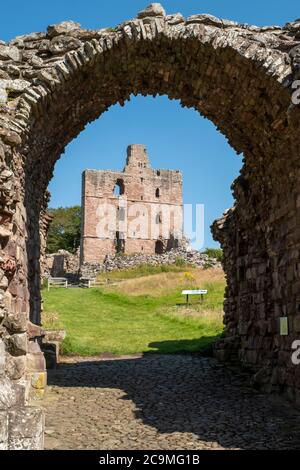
241	78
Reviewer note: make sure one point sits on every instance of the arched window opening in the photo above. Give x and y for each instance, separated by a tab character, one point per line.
119	188
157	193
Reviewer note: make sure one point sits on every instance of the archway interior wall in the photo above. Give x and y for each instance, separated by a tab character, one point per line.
237	76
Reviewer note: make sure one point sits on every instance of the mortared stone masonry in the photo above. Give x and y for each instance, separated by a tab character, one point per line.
242	78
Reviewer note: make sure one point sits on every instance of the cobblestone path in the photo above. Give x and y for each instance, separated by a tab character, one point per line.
162	402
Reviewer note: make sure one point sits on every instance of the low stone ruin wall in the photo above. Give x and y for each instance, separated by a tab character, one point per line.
122	262
51	346
61	264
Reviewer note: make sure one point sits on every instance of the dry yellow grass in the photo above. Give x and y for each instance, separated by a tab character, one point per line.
161	284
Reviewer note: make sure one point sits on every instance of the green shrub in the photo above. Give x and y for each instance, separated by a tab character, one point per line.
216	253
164	268
189	280
44	283
120	254
180	261
207	265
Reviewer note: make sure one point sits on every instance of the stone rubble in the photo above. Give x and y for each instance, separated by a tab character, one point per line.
174	256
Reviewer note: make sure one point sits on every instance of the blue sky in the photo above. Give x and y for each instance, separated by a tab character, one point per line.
175	137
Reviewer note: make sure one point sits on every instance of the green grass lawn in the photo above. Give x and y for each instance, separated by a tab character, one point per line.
108	320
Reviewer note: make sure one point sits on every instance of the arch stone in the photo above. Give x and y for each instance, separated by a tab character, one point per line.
240	77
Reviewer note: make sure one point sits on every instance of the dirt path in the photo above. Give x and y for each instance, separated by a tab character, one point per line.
162	402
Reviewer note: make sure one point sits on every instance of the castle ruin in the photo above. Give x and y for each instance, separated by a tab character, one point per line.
138	210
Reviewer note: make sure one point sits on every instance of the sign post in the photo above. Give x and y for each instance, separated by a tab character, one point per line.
200	292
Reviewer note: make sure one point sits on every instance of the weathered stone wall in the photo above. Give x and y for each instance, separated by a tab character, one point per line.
147	210
241	78
45	222
173	256
61	264
22	365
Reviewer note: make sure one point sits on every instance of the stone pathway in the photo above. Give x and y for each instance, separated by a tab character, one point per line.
162	402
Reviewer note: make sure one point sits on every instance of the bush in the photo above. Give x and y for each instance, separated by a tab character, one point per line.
189	280
216	253
44	283
180	261
120	254
207	265
164	268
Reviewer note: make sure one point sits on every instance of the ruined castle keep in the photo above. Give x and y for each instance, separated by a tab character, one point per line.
138	210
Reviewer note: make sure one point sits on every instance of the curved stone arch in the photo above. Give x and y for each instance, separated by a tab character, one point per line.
196	61
240	77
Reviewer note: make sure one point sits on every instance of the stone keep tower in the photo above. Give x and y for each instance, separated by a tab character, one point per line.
138	210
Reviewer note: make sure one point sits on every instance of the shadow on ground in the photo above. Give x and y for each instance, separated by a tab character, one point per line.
182	394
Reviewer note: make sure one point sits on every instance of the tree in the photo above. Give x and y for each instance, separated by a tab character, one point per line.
214	253
65	229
